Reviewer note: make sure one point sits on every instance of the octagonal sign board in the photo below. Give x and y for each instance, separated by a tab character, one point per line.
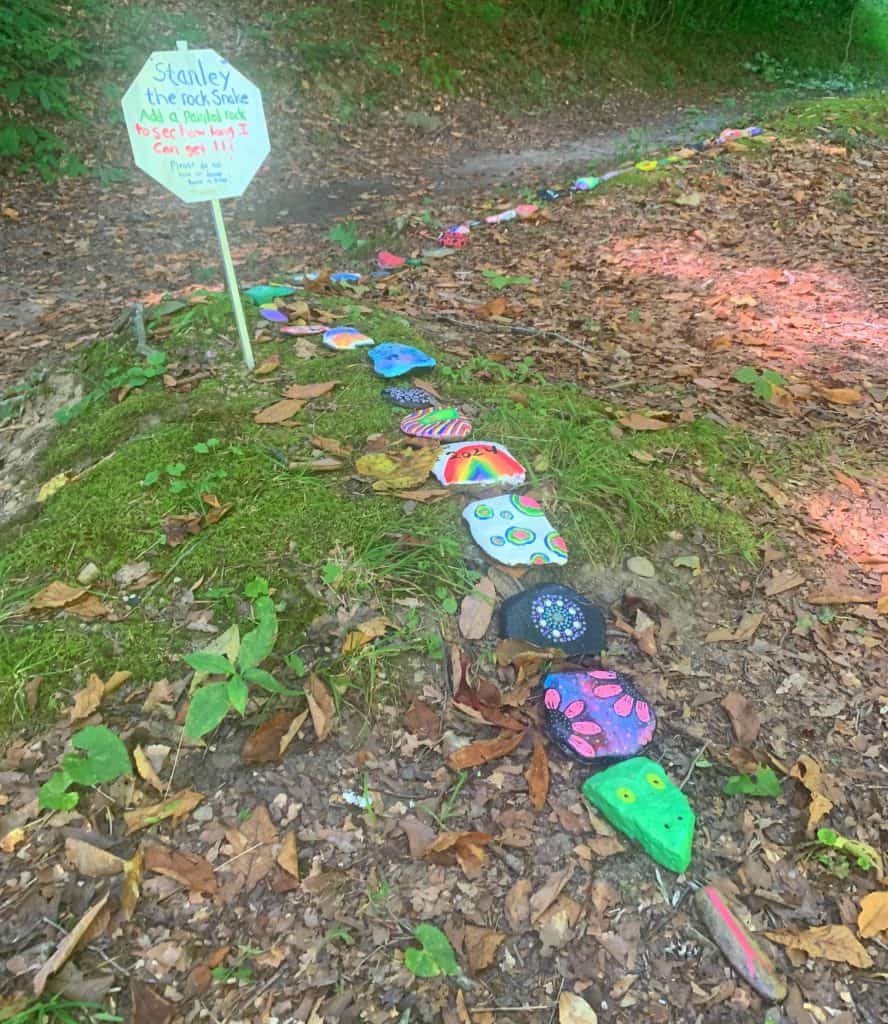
196	124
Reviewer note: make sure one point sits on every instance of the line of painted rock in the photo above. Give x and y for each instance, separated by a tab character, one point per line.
741	950
391	359
597	717
637	797
552	615
478	464
513	529
441	424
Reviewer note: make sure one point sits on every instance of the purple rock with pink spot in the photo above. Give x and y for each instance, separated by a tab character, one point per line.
597	717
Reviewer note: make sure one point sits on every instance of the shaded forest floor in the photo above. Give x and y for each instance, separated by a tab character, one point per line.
599	341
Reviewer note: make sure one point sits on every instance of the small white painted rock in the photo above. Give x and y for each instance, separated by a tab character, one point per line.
88	574
641	566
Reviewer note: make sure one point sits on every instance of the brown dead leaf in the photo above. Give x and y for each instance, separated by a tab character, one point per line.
834	942
427	495
745	630
270	741
841	595
12	840
481	945
320	704
87	700
546	895
133	870
482	751
398	470
146	770
176	807
160	693
873	917
604	846
67	946
780	582
92	861
476	610
309	391
279	412
148	1006
849	482
537	775
496	307
288	857
254	850
555	926
190	869
268	365
517	905
637	421
422	720
366	633
463	848
573	1009
771	490
840	396
55	595
330	445
419	836
745	720
812	777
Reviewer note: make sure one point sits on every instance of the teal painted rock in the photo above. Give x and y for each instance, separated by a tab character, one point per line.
261	294
637	797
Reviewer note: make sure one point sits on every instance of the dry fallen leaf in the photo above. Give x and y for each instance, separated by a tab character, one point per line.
146	770
496	307
745	720
55	595
841	396
476	610
546	895
745	630
13	838
270	741
517	905
190	869
320	704
573	1009
811	776
464	848
92	861
398	470
841	595
481	945
330	445
482	751
537	775
637	421
254	850
280	412
780	582
419	836
873	917
834	942
366	633
422	720
132	884
176	807
67	946
268	365
288	857
850	482
148	1006
87	700
309	391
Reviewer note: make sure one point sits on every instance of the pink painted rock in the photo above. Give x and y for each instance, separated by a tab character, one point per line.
741	950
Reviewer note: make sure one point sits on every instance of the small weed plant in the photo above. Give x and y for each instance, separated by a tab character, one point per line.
129	379
763	382
195	487
105	759
435	955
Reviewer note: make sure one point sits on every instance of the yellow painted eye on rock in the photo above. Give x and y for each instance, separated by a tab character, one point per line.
626	795
655	780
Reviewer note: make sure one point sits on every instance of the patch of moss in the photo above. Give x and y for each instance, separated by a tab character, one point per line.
845	118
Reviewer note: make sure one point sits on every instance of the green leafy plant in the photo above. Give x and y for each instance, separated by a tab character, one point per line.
194	487
499	281
434	958
345	234
838	854
762	383
56	1009
212	701
106	758
130	378
762	782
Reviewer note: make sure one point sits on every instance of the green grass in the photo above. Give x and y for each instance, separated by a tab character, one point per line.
844	119
324	539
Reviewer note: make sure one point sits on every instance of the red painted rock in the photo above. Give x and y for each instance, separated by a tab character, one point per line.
741	950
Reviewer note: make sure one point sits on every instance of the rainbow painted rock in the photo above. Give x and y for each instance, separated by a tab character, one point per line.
410	398
478	464
391	359
741	949
637	797
341	339
552	615
596	717
513	529
441	424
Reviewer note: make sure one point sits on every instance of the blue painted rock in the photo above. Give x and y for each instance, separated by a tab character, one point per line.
409	398
637	797
513	529
390	359
596	717
552	615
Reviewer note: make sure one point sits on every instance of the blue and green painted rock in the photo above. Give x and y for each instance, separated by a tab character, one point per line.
637	797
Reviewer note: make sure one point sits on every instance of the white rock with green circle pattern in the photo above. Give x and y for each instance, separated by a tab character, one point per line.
514	530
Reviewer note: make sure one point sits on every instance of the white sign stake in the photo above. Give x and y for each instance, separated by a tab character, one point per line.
197	126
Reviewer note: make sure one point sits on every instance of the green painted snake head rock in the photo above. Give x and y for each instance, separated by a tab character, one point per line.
637	797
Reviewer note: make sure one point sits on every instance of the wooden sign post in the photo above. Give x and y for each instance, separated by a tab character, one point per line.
197	126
